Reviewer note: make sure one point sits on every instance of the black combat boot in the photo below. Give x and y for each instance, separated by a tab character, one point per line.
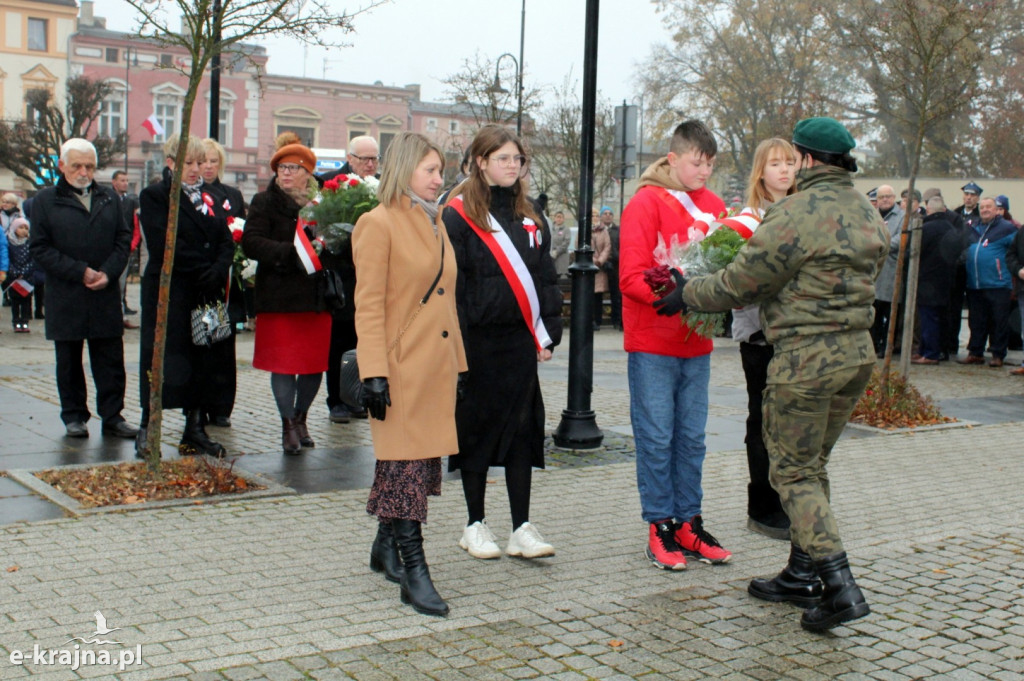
798	582
195	440
384	554
417	589
300	426
841	599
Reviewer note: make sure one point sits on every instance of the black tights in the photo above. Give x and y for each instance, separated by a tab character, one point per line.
517	481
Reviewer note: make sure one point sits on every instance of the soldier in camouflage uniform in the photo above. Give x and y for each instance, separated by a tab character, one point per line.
812	265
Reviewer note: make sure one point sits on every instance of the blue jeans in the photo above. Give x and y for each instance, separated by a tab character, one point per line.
668	401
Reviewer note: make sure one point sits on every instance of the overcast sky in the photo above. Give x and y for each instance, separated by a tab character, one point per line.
422	41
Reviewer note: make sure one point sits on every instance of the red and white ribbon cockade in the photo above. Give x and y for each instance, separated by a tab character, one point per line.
515	271
744	224
303	246
531	229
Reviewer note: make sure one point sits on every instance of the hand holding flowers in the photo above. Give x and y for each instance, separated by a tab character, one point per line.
337	206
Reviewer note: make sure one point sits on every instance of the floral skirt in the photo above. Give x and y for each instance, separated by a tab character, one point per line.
400	489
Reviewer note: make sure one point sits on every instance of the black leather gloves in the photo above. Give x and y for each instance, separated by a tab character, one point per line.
672	304
376	397
460	387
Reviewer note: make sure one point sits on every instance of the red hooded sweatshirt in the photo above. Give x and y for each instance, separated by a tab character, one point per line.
649	213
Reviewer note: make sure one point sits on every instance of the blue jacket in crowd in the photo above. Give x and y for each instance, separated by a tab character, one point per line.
986	254
5	263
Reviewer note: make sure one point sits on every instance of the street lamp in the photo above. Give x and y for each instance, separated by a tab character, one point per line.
127	74
215	77
497	89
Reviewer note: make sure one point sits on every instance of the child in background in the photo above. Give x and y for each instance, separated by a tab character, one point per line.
17	286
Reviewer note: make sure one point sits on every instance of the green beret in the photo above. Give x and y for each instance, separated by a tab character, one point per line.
823	134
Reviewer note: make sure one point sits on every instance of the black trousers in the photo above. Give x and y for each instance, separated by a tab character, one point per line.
343	338
106	357
988	311
762	499
615	293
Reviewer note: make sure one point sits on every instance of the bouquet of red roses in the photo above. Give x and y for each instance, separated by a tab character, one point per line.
242	268
338	205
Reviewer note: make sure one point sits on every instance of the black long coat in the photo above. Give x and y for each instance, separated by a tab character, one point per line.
940	248
65	238
282	284
204	244
501	417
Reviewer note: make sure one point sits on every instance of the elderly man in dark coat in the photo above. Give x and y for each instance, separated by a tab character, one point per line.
940	248
81	241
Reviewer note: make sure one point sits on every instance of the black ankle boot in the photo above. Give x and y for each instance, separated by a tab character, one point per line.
300	426
140	442
764	512
841	599
195	440
384	554
417	589
798	582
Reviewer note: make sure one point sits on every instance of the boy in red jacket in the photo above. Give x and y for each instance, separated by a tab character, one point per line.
669	367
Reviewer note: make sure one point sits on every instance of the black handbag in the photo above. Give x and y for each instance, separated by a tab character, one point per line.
330	291
350	389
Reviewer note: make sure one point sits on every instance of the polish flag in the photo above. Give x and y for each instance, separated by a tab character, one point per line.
153	125
22	287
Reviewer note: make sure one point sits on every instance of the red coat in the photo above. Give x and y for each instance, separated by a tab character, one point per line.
646	216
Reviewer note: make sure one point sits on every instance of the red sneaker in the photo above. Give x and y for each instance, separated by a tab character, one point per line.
698	542
662	549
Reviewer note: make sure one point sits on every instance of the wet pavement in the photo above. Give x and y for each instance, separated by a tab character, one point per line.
278	588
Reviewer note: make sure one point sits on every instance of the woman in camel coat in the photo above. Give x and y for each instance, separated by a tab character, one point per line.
410	357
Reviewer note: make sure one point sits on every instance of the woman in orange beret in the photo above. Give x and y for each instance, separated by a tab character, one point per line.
292	334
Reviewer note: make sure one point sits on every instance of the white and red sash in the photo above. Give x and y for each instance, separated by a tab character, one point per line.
303	246
515	271
683	205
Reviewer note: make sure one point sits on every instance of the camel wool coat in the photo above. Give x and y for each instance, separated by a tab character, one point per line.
397	255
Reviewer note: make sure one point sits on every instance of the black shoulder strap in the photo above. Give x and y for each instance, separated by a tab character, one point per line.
437	278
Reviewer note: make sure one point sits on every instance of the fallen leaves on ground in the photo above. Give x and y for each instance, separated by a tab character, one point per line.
897	405
133	483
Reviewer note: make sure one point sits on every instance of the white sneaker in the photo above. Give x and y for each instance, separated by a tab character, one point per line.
479	542
526	542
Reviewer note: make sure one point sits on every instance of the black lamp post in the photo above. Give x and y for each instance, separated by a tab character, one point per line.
496	88
215	76
127	76
578	428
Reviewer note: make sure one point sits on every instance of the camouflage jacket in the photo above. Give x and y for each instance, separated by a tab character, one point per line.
812	265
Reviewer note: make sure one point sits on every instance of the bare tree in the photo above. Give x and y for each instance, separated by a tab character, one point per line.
209	28
29	148
750	69
556	149
926	55
473	87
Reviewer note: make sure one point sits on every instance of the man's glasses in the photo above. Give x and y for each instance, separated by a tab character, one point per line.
367	159
288	168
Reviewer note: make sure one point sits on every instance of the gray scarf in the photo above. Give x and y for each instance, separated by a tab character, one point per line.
429	207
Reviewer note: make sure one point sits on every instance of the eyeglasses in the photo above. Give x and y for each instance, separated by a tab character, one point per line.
368	159
508	161
885	196
288	168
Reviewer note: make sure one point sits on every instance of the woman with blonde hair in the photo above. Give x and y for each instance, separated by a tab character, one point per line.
510	309
410	358
772	178
202	259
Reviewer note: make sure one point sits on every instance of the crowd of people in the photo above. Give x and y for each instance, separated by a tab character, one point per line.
451	304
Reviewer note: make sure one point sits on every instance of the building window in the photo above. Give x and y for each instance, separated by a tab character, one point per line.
453	127
224	125
112	55
166	60
386	138
168	112
307	135
431	125
37	34
111	122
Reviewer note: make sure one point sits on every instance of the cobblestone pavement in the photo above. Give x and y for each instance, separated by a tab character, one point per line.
279	588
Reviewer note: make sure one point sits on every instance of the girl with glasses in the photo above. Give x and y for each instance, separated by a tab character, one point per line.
509	307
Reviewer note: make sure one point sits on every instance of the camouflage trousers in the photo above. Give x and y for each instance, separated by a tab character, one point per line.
802	422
